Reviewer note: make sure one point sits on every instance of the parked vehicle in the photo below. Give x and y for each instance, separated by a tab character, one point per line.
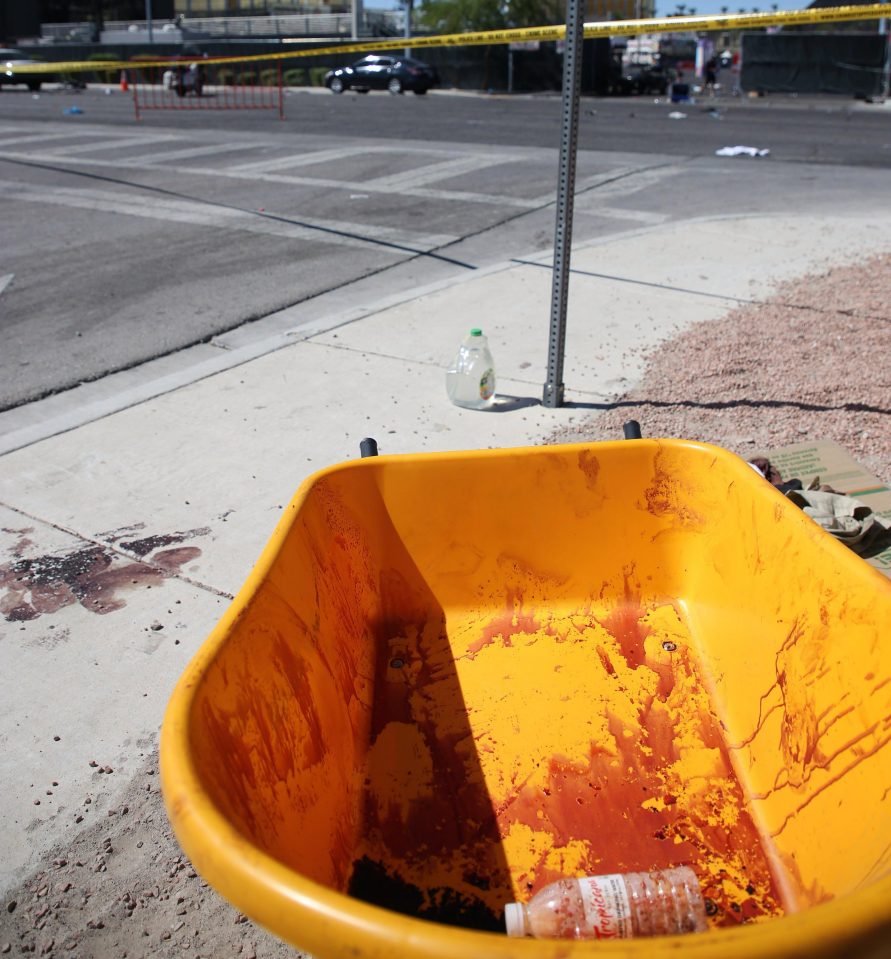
649	79
10	62
374	72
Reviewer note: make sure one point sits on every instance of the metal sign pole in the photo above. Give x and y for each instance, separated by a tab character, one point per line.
885	30
572	76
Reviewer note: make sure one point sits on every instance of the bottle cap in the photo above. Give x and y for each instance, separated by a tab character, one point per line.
476	331
515	919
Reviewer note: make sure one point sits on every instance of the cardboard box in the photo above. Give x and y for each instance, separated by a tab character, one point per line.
837	468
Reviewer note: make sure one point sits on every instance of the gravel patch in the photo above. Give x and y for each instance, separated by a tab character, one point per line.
811	363
123	888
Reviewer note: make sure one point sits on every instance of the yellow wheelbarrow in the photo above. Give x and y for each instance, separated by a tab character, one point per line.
451	679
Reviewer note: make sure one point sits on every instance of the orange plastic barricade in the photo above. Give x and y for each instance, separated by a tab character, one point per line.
451	679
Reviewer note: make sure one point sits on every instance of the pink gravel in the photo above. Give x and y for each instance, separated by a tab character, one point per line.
812	362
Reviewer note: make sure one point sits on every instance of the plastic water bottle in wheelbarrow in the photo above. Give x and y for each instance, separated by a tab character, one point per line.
664	902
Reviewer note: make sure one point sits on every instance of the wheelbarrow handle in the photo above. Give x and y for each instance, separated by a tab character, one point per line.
368	447
632	430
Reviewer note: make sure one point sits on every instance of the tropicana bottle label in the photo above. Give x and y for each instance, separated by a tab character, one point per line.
607	909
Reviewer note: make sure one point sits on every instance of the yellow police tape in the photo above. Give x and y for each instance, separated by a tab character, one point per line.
605	28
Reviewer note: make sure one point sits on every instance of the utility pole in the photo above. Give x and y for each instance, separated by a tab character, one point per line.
572	75
148	17
885	31
99	19
357	18
408	11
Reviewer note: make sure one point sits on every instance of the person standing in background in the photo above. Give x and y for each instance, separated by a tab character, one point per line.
711	75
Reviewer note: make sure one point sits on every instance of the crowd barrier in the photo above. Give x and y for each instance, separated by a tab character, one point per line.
181	84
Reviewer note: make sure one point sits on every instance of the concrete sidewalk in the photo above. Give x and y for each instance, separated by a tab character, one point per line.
124	538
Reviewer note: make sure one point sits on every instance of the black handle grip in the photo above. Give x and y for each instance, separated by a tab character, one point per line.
368	447
632	430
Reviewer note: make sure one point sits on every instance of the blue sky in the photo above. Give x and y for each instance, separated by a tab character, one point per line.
703	7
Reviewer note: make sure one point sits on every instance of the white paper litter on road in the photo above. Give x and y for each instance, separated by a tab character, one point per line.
677	115
741	151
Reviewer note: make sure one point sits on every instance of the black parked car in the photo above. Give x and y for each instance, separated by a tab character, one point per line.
637	78
373	72
10	60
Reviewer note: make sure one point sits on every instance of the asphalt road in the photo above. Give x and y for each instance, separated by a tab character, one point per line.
125	241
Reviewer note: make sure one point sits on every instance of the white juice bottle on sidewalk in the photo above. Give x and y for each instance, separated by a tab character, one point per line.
470	380
663	902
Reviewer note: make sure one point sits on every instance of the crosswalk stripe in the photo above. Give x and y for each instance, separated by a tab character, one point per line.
188	153
635	216
367	186
326	156
113	143
432	172
594	194
303	159
339	233
42	137
519	202
351	186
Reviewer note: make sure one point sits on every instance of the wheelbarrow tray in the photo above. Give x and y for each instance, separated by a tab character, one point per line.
451	679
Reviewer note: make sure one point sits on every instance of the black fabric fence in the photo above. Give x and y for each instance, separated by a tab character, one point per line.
846	63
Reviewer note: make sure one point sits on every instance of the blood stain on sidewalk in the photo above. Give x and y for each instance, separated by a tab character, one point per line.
94	576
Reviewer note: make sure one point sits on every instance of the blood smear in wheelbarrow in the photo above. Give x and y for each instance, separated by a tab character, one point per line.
472	792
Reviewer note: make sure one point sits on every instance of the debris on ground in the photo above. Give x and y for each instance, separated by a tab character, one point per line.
742	151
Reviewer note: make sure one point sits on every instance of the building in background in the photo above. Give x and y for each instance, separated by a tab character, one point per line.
21	19
236	8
